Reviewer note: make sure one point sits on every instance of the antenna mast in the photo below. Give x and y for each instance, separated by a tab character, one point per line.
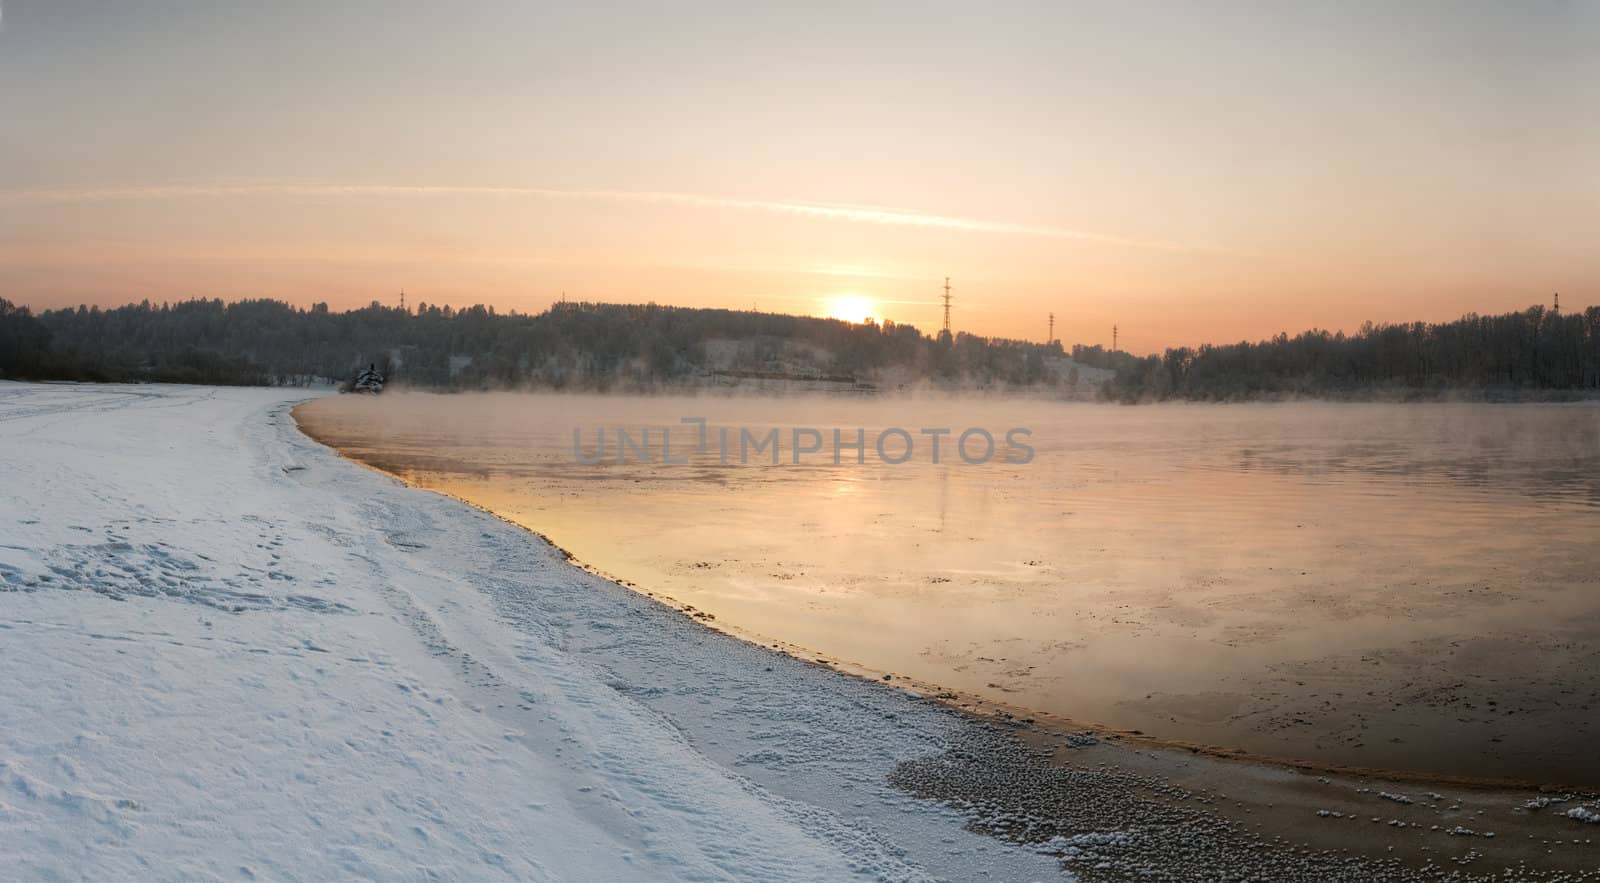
947	305
1052	335
1113	338
1558	303
402	300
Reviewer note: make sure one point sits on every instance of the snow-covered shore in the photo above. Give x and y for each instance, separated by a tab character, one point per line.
227	653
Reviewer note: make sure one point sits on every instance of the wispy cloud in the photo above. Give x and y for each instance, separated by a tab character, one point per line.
828	211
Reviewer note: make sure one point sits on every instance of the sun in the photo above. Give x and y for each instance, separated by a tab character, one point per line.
850	308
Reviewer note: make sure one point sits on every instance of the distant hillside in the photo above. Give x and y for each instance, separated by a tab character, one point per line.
578	346
1537	353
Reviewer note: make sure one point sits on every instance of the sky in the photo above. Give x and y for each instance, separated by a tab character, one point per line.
1188	172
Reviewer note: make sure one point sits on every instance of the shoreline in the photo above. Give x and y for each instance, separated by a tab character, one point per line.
232	654
967	701
1188	773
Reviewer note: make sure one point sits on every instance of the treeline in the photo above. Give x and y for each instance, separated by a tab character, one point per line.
31	349
1535	353
570	346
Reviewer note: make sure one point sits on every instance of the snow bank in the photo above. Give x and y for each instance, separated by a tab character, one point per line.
229	654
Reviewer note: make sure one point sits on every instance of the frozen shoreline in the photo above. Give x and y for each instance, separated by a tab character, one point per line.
229	653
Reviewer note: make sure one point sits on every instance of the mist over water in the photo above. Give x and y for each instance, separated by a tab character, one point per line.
1411	587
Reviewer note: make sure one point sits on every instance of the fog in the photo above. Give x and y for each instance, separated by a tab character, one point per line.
1396	586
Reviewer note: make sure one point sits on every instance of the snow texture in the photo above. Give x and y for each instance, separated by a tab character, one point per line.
226	653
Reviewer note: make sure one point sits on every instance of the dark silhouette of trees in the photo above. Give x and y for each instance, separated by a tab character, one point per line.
1535	353
24	343
582	346
590	346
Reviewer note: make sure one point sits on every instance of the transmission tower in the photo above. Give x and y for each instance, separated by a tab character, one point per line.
1052	335
947	305
1557	308
1113	338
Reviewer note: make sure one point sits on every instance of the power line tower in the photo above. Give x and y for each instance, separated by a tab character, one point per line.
1113	338
1050	338
947	305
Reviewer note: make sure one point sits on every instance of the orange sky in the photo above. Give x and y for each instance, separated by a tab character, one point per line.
1187	175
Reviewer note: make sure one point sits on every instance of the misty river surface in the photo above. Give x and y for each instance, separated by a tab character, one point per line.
1411	587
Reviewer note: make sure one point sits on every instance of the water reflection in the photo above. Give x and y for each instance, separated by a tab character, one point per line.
1408	586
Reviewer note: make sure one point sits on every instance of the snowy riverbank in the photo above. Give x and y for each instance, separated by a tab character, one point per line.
227	653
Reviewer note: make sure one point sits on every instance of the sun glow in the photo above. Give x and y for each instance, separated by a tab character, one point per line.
850	308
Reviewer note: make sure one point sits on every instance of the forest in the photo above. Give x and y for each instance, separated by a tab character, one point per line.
1537	353
583	346
1534	353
